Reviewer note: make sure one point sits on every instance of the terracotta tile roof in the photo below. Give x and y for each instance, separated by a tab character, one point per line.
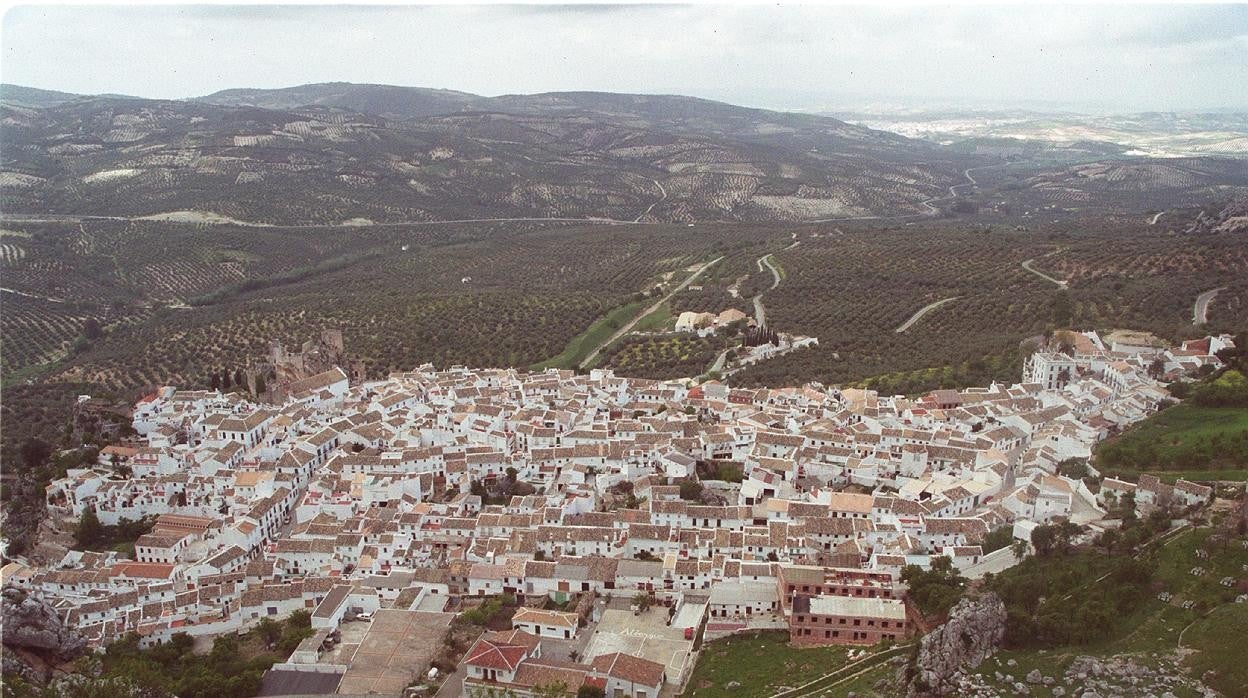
628	668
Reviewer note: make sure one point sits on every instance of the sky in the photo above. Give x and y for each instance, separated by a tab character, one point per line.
1106	58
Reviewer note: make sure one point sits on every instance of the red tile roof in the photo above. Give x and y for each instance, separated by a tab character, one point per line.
628	668
496	655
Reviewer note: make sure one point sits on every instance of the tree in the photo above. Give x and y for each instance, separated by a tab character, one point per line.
1073	468
216	381
35	452
89	530
1108	540
998	538
1043	539
1157	368
690	490
261	386
1053	538
225	379
270	631
557	689
935	590
642	601
590	691
239	379
512	473
91	329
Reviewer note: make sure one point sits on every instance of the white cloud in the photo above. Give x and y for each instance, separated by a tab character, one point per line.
1147	57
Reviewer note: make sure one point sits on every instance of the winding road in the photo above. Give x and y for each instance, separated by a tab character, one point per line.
49	299
628	326
1027	265
931	210
1153	220
760	312
663	198
924	311
1200	311
309	226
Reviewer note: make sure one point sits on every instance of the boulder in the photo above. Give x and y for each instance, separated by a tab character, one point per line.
31	624
1034	676
973	632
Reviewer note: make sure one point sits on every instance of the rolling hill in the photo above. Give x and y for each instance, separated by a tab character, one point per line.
325	154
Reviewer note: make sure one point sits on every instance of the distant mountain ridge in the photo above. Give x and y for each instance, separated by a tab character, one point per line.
33	96
331	152
390	101
677	112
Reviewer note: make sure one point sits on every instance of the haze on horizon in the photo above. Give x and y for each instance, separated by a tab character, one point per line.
1090	58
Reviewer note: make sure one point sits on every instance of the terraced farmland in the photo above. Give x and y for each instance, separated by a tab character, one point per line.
663	356
853	290
488	294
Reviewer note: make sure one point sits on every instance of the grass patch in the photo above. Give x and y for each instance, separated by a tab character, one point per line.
1234	474
864	685
656	321
1155	626
581	345
779	267
1217	652
1184	437
28	373
762	663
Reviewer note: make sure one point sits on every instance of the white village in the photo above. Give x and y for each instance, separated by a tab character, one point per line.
622	521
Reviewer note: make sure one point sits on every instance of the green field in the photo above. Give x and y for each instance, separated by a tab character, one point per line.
580	346
656	321
1151	633
1184	437
1228	660
864	685
763	663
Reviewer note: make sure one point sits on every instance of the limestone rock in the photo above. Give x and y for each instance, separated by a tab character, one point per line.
31	624
973	632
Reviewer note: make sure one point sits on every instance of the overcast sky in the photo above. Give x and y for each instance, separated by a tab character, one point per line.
1120	58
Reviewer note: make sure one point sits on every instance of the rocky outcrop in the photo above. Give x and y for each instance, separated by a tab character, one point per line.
1128	675
973	632
1233	218
31	624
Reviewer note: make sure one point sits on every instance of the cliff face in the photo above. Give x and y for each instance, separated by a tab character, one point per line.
1233	218
33	630
973	632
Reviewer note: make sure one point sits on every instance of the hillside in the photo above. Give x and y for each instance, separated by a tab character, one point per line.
330	153
324	154
389	101
32	96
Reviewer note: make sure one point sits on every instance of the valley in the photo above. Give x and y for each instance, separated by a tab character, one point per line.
411	257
